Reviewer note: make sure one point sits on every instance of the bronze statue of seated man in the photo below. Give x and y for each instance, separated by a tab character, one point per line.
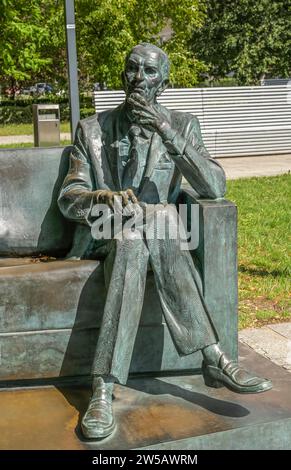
140	151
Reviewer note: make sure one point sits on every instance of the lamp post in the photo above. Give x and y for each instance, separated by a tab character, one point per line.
72	64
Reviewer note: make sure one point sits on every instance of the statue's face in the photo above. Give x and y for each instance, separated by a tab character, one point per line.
144	73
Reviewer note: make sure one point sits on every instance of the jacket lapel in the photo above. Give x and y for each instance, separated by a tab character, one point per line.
111	147
156	150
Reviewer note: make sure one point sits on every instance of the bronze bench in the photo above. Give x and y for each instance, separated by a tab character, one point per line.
48	316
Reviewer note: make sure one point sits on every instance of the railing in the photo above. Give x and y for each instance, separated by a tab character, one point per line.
235	121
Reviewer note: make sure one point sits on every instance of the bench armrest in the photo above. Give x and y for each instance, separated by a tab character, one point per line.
217	255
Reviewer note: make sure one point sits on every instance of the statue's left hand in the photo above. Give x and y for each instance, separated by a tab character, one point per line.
146	114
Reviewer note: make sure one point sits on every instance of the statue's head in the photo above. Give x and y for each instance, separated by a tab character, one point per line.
146	71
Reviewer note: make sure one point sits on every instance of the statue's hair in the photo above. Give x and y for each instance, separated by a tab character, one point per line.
165	63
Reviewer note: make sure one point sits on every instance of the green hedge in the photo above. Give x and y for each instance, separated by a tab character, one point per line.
23	114
22	101
19	111
15	115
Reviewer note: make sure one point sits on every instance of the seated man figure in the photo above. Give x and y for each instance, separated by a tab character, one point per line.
140	151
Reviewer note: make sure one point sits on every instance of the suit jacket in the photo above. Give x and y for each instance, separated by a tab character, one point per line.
95	158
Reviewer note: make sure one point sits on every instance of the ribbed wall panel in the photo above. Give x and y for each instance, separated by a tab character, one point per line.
235	121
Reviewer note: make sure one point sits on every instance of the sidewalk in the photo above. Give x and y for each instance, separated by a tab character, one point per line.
26	139
245	167
271	341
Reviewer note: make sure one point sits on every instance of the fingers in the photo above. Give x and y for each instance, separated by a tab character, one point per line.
108	197
137	106
138	98
147	122
124	197
127	196
100	195
132	195
143	105
146	114
144	118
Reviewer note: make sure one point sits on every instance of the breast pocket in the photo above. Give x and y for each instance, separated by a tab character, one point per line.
164	163
163	166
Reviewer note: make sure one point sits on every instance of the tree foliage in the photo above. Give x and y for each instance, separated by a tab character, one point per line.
107	30
22	36
246	37
54	48
32	38
250	38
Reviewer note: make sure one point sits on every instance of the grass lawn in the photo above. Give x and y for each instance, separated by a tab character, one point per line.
26	129
264	221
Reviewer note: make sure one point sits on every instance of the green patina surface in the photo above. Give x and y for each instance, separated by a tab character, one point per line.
49	300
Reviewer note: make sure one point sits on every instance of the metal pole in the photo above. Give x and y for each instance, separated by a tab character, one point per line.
72	64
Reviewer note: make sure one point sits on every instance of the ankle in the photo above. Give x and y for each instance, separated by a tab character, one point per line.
212	354
105	383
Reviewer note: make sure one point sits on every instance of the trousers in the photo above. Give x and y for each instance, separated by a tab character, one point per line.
183	306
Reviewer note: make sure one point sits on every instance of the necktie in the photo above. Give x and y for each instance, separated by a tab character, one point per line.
132	163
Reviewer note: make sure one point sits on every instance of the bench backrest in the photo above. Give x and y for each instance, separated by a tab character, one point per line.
30	221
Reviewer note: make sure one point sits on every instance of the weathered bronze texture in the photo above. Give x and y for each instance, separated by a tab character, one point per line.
46	335
140	151
99	412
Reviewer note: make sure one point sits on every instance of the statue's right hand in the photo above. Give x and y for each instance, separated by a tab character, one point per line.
105	196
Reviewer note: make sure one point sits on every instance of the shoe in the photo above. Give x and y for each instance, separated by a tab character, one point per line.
236	378
98	421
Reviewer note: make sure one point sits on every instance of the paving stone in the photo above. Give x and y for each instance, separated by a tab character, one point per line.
283	329
269	343
245	167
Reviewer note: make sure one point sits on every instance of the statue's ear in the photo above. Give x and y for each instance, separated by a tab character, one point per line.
162	87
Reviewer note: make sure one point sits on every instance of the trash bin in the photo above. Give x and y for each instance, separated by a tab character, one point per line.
46	123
